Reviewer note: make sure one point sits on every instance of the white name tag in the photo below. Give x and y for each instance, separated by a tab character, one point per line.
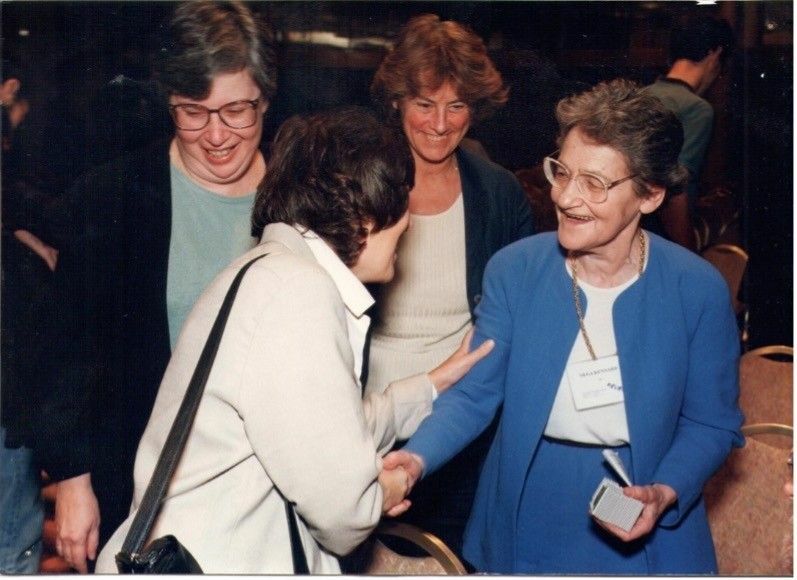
596	383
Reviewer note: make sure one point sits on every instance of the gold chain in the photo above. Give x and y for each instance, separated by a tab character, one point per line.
577	297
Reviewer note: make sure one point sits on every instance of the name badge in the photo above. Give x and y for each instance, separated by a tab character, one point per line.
596	383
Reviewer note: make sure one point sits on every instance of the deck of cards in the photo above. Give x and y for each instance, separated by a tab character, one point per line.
609	503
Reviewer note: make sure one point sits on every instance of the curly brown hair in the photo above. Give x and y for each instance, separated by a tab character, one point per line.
334	172
429	52
623	115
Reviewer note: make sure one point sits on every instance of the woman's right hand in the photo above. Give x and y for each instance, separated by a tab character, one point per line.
458	364
411	465
395	485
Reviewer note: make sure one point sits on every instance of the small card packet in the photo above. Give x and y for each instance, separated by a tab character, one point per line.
609	504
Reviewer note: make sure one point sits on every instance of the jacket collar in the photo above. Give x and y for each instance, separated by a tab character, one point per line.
309	245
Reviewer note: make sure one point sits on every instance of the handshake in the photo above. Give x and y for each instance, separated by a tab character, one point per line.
400	470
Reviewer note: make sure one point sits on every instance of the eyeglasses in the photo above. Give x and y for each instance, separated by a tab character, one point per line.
593	188
236	115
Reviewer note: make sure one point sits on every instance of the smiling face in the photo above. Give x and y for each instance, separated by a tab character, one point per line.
217	156
434	122
598	227
377	261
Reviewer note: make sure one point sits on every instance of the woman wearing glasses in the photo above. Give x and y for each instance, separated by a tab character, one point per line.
146	234
607	337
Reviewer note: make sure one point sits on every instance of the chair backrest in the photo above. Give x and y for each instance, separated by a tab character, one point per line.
718	211
750	512
766	387
538	194
702	232
731	261
387	561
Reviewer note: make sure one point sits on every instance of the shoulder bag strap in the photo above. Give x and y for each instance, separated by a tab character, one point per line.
178	435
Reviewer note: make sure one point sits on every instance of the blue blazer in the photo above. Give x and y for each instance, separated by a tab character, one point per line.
678	346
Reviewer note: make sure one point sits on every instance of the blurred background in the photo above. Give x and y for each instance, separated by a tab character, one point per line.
71	56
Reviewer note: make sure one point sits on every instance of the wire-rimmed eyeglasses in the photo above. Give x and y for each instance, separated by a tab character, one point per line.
593	188
236	115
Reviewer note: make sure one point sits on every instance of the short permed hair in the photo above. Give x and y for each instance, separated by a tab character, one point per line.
624	116
429	52
699	36
208	38
334	172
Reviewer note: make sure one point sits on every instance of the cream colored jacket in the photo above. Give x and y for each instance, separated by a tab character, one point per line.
282	410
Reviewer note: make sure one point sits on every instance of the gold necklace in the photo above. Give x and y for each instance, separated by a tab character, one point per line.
577	297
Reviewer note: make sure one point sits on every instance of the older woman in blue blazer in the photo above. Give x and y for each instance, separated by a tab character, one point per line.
606	337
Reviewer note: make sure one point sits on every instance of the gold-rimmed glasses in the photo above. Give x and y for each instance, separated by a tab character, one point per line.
594	188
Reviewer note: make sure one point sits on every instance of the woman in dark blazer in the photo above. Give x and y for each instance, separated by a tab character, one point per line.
436	82
139	239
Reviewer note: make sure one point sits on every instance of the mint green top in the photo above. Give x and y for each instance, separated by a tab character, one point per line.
208	231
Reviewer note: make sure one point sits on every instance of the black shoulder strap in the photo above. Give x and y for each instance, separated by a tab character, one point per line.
178	435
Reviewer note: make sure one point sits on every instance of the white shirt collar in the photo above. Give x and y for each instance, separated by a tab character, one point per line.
355	295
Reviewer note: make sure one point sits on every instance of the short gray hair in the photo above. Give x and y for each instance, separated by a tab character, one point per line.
624	116
209	38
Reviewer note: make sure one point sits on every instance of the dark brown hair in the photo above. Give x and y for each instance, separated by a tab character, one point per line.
208	38
624	116
333	172
429	52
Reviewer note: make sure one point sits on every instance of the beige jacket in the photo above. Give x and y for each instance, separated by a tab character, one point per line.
282	409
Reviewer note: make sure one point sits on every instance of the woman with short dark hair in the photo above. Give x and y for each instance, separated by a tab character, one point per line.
282	412
607	338
434	84
282	415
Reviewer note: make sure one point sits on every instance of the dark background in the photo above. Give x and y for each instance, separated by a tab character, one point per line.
545	50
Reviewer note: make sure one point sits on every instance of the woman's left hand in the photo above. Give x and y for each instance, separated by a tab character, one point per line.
459	363
657	498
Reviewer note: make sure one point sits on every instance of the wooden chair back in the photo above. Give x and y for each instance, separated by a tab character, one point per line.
766	388
384	561
731	261
538	194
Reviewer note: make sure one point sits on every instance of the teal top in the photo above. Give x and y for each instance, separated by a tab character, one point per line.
208	231
697	119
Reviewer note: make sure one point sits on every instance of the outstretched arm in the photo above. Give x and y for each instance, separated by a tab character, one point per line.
395	414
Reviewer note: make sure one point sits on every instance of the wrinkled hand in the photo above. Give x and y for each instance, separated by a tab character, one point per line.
458	364
45	252
395	487
77	520
657	498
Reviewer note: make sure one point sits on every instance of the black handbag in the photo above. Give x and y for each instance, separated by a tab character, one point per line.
167	555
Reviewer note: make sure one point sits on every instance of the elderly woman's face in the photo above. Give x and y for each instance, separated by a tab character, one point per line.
434	123
220	154
596	227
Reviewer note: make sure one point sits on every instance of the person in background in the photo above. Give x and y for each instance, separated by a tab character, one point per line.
438	80
27	264
606	337
282	416
697	53
143	235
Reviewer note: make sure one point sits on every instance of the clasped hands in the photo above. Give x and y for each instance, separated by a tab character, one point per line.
400	471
